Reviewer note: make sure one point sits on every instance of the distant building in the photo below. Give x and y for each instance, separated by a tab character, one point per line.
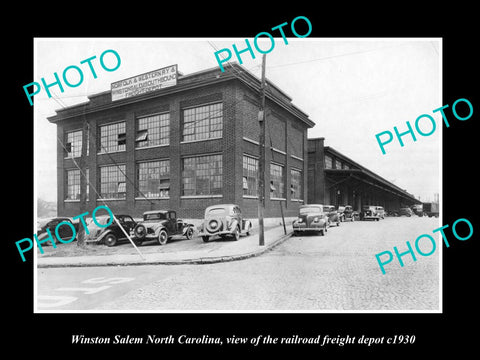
334	179
183	147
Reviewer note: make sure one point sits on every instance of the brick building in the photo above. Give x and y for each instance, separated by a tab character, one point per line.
335	179
183	147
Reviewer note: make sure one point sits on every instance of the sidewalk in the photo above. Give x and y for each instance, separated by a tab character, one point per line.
198	253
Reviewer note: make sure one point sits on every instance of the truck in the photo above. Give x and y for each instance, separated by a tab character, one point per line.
431	209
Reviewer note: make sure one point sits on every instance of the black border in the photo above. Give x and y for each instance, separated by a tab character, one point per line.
435	333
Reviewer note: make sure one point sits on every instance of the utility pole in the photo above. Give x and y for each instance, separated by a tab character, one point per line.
83	180
261	163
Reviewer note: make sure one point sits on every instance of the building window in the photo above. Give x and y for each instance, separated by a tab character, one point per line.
250	174
153	130
113	137
203	122
328	162
277	189
112	182
153	179
73	144
202	175
338	164
73	184
296	184
346	167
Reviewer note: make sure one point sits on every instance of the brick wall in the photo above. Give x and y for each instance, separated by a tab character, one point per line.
240	111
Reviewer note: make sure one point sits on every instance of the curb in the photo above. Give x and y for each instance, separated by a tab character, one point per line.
195	261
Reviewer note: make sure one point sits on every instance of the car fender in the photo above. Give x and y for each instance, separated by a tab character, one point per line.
233	225
103	234
160	228
247	224
186	227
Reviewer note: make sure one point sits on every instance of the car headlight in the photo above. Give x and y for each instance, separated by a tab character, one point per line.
299	220
315	219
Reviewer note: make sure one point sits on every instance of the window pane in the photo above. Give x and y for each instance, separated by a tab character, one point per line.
112	182
296	184
112	137
153	130
153	178
276	181
203	122
202	175
328	162
73	144
250	171
73	184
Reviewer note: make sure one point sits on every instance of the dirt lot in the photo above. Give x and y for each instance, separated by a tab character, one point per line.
177	243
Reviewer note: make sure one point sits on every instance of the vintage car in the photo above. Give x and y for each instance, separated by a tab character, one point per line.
64	231
161	225
405	211
333	215
370	212
418	209
224	220
347	213
310	218
112	234
381	212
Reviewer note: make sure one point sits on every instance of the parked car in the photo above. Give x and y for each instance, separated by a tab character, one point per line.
333	215
391	213
418	209
405	211
347	213
381	212
224	220
65	232
369	212
161	225
111	234
311	218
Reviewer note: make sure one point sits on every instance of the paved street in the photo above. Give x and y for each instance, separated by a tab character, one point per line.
333	272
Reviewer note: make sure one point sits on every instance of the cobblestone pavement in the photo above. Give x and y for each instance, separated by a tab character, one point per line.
306	273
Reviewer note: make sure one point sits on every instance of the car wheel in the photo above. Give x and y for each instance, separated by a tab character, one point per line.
323	231
353	218
189	233
162	237
110	240
140	231
205	238
249	229
236	234
338	223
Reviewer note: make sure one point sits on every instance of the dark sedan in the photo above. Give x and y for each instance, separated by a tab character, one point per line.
64	231
111	234
311	218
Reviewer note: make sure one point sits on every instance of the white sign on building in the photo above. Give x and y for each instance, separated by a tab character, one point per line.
144	83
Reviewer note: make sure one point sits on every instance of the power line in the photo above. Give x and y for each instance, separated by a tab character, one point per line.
336	56
99	197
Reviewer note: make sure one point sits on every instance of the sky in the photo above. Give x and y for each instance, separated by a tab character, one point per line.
352	89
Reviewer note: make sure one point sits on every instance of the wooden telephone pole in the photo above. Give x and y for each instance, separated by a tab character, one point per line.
261	163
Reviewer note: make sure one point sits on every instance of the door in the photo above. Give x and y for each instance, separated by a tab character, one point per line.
172	222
